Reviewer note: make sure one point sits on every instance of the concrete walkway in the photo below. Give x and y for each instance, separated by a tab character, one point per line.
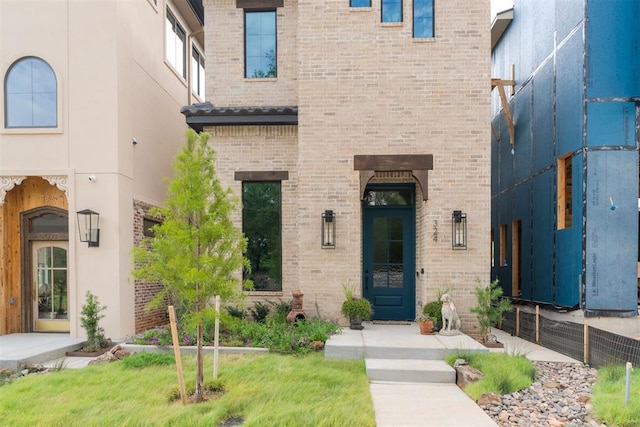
17	350
413	400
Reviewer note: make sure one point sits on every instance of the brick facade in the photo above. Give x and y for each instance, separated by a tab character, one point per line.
363	88
144	290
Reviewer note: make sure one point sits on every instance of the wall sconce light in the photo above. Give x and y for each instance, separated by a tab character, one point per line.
459	230
328	230
88	227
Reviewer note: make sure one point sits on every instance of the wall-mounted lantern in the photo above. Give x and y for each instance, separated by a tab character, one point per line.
328	230
459	230
88	227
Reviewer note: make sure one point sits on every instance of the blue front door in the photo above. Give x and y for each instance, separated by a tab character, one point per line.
389	252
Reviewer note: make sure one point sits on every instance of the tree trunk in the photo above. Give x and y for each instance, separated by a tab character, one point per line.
199	393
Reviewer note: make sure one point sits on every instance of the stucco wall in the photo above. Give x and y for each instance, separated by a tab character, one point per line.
114	85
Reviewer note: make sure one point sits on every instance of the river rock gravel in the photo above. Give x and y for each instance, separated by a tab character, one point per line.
559	397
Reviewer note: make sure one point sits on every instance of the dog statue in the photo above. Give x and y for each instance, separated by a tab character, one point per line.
450	319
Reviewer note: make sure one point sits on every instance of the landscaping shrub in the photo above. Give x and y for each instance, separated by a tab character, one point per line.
503	374
259	312
275	334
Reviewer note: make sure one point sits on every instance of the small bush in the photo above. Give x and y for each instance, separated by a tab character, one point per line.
90	316
159	336
144	360
433	310
260	311
236	311
280	310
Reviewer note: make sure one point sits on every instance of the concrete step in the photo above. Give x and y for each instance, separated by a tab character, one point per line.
397	342
42	348
410	371
336	350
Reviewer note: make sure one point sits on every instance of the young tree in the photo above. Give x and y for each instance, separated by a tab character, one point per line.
196	252
491	306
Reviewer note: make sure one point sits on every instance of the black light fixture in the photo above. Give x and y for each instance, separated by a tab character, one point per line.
88	227
328	230
459	230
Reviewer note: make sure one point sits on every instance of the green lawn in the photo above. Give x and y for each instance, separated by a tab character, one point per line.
264	390
609	397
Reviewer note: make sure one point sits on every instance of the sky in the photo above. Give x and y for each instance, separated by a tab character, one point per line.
499	6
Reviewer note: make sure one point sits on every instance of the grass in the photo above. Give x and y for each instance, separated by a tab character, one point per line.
264	390
503	373
608	396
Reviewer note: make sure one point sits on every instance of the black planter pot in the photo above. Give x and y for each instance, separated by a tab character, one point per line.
355	323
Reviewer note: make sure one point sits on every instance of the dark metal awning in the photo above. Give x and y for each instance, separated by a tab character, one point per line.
205	114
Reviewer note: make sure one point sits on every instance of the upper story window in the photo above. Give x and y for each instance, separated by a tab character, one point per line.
31	95
260	44
422	19
360	3
175	37
391	10
197	73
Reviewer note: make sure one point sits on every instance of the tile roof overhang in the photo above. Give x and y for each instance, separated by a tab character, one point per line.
205	114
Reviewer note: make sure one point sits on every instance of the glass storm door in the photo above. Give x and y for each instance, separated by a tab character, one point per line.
50	286
389	252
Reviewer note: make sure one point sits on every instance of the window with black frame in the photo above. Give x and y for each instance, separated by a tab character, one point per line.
391	10
175	44
260	48
262	227
423	19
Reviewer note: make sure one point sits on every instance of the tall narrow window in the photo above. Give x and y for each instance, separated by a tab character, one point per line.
262	226
516	258
197	73
260	44
360	3
31	95
565	192
175	37
422	19
493	249
391	10
503	245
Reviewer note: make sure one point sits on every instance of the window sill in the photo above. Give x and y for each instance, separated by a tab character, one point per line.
264	293
259	79
32	131
392	24
360	9
424	40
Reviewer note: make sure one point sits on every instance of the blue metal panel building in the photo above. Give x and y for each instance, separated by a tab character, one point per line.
566	192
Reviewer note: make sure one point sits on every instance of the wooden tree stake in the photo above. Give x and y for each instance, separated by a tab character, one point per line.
176	352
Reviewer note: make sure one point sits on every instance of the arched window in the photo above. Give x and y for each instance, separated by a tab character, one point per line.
31	96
